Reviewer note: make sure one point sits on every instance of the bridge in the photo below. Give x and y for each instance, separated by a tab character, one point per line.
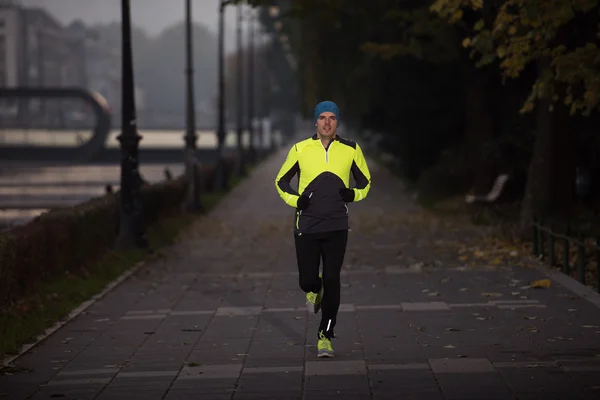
94	140
58	162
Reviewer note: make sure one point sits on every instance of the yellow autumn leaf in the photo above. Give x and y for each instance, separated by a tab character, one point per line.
437	6
477	4
479	25
512	30
457	15
466	42
542	283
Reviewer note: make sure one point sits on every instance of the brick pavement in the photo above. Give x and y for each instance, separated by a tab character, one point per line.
221	316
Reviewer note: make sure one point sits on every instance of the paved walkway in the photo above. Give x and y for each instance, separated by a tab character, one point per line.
221	317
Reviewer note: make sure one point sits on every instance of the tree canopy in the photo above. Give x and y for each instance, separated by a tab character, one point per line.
559	35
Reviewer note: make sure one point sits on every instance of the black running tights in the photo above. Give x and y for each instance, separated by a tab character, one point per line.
310	250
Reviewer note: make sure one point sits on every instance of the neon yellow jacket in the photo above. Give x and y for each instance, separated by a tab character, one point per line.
321	174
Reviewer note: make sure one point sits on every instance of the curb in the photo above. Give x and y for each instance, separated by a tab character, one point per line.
73	314
572	284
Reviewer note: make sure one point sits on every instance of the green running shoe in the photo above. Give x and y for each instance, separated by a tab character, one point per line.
313	300
324	348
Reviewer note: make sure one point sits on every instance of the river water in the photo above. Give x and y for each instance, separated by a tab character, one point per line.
28	189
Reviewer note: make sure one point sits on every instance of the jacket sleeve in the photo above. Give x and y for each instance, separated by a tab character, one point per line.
289	168
361	174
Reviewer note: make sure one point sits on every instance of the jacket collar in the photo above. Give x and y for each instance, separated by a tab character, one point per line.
316	137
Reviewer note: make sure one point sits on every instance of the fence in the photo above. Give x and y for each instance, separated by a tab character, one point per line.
549	233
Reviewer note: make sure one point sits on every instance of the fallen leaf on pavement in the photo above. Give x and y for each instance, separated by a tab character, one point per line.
491	294
542	283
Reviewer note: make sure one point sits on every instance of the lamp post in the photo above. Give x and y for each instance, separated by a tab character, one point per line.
240	94
221	129
251	88
268	57
131	229
192	201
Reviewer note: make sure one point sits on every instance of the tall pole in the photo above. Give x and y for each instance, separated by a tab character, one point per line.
221	173
240	94
192	201
131	229
251	88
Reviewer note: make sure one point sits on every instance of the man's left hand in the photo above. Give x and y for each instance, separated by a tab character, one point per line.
347	194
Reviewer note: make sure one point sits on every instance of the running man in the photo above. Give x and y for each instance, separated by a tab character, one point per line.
323	163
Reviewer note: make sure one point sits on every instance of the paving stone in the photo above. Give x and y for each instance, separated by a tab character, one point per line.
425	306
489	385
460	365
140	392
339	382
417	383
271	381
237	311
267	395
64	392
330	367
539	380
216	385
337	394
211	371
23	389
199	394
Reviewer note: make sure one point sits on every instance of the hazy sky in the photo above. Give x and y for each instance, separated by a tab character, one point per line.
152	15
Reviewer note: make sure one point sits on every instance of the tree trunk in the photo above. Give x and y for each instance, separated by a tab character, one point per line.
550	179
479	128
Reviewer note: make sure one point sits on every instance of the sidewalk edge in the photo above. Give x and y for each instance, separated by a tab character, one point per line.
572	284
73	314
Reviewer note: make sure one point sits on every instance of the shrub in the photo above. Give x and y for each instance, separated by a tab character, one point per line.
66	240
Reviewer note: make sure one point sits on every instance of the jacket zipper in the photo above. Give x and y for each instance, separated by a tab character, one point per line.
327	152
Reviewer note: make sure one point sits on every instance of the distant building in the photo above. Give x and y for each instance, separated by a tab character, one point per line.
9	49
38	51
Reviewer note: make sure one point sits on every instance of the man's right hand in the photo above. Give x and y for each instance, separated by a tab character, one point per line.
303	202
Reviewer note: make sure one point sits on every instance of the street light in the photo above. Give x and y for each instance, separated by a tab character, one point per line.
192	202
131	229
240	95
274	11
221	176
251	87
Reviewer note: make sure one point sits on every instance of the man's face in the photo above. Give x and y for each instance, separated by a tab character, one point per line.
327	125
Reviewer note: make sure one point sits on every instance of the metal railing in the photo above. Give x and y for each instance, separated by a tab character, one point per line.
550	233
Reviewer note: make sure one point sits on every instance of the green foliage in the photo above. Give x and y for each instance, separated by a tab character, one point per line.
420	35
526	31
65	240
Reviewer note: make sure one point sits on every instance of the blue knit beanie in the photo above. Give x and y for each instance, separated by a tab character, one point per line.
326	106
